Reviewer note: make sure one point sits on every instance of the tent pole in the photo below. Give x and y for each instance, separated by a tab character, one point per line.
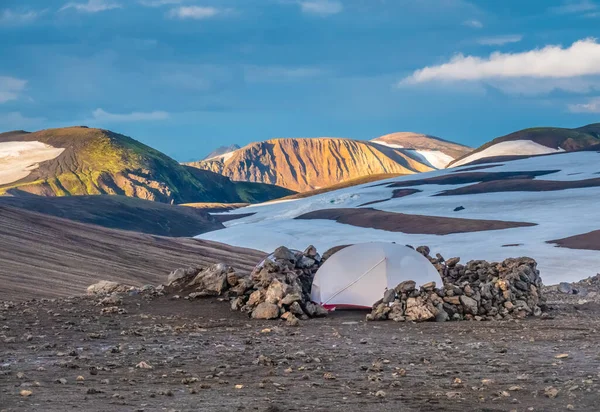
359	278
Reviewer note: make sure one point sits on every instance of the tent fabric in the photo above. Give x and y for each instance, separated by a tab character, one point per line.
358	275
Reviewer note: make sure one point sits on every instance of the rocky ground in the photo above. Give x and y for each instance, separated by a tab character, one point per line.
154	354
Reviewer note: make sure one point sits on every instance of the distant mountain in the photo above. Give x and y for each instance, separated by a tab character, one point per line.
303	164
430	149
535	141
84	161
222	150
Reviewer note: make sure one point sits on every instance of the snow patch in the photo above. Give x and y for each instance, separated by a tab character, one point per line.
18	159
510	148
392	145
435	158
222	157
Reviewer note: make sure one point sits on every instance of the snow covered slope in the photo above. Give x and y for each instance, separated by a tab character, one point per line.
509	148
431	150
535	141
539	199
18	159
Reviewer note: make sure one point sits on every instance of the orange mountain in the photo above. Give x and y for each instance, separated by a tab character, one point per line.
303	164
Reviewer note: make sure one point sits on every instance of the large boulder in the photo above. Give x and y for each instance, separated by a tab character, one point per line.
212	280
469	304
417	310
266	310
283	253
276	291
314	310
105	287
182	276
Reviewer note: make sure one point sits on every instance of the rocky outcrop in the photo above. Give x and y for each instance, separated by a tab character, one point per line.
479	290
279	287
105	287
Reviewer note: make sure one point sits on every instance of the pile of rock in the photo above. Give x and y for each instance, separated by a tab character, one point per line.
479	290
279	287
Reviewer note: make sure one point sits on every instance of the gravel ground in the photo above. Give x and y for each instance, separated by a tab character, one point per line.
65	355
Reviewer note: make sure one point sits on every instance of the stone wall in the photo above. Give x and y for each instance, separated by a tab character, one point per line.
479	290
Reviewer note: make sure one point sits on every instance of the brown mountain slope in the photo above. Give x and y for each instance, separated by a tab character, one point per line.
418	141
120	212
45	256
302	164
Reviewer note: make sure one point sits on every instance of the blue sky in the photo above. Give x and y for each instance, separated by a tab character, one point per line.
185	76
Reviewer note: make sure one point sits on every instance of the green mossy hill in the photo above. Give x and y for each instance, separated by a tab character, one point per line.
97	161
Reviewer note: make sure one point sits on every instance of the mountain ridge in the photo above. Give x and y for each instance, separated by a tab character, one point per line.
303	164
97	161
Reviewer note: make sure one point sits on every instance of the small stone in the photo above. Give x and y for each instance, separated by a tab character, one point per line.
515	388
292	320
62	381
380	394
428	286
143	365
551	392
406	286
25	393
239	386
562	356
389	296
565	287
452	262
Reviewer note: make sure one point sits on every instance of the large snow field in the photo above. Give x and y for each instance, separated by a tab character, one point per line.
558	214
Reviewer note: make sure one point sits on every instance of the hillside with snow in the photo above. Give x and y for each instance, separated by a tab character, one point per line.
494	211
533	142
431	150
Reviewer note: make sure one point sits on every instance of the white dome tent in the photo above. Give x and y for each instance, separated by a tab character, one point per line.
357	276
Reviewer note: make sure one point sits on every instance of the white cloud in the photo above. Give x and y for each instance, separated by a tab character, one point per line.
9	17
101	115
10	88
574	6
92	6
321	7
500	40
194	12
475	24
592	106
15	120
582	58
158	3
258	74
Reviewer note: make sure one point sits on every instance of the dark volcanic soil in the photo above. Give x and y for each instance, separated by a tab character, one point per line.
120	212
201	351
406	223
587	241
42	255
